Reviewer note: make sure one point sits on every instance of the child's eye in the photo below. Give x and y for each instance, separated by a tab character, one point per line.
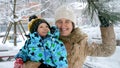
47	27
41	27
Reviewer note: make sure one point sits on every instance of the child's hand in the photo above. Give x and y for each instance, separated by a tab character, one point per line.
52	29
18	63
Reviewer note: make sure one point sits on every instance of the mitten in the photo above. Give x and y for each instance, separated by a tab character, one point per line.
52	29
104	21
18	63
55	32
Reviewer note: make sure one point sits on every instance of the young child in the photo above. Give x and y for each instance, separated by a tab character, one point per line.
42	46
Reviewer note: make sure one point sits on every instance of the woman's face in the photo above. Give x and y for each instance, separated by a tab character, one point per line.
43	29
65	26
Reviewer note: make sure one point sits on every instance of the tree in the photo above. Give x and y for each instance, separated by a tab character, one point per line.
104	10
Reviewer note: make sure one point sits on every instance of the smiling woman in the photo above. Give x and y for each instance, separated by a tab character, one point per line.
76	41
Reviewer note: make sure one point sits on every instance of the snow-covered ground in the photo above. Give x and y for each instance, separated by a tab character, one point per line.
105	62
94	62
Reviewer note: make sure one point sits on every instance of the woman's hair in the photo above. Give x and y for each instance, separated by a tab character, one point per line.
73	25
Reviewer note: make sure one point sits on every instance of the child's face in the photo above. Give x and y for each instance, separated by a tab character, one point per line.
43	29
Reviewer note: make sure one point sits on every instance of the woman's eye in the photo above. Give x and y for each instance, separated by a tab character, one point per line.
68	22
59	22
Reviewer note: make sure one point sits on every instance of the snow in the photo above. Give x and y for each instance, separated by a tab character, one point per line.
94	62
8	64
106	62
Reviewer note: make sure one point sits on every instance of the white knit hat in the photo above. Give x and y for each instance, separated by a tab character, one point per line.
65	12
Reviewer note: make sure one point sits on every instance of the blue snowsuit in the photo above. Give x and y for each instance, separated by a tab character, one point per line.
48	50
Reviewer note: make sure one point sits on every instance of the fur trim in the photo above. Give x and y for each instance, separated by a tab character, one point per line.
76	36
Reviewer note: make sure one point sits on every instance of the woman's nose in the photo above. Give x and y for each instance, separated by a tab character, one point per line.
63	24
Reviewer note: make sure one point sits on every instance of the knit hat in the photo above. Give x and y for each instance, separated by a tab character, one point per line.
33	25
65	12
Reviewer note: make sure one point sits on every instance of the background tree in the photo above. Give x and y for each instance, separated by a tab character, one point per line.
107	9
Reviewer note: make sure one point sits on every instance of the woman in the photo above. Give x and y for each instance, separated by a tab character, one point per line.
76	41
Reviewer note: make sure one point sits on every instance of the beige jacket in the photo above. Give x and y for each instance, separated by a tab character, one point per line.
78	48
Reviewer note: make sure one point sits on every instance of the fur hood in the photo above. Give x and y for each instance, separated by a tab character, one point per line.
76	36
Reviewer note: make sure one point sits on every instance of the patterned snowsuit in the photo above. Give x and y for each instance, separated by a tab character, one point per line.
48	50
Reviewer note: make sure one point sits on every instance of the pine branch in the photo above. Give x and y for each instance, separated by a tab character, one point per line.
95	6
